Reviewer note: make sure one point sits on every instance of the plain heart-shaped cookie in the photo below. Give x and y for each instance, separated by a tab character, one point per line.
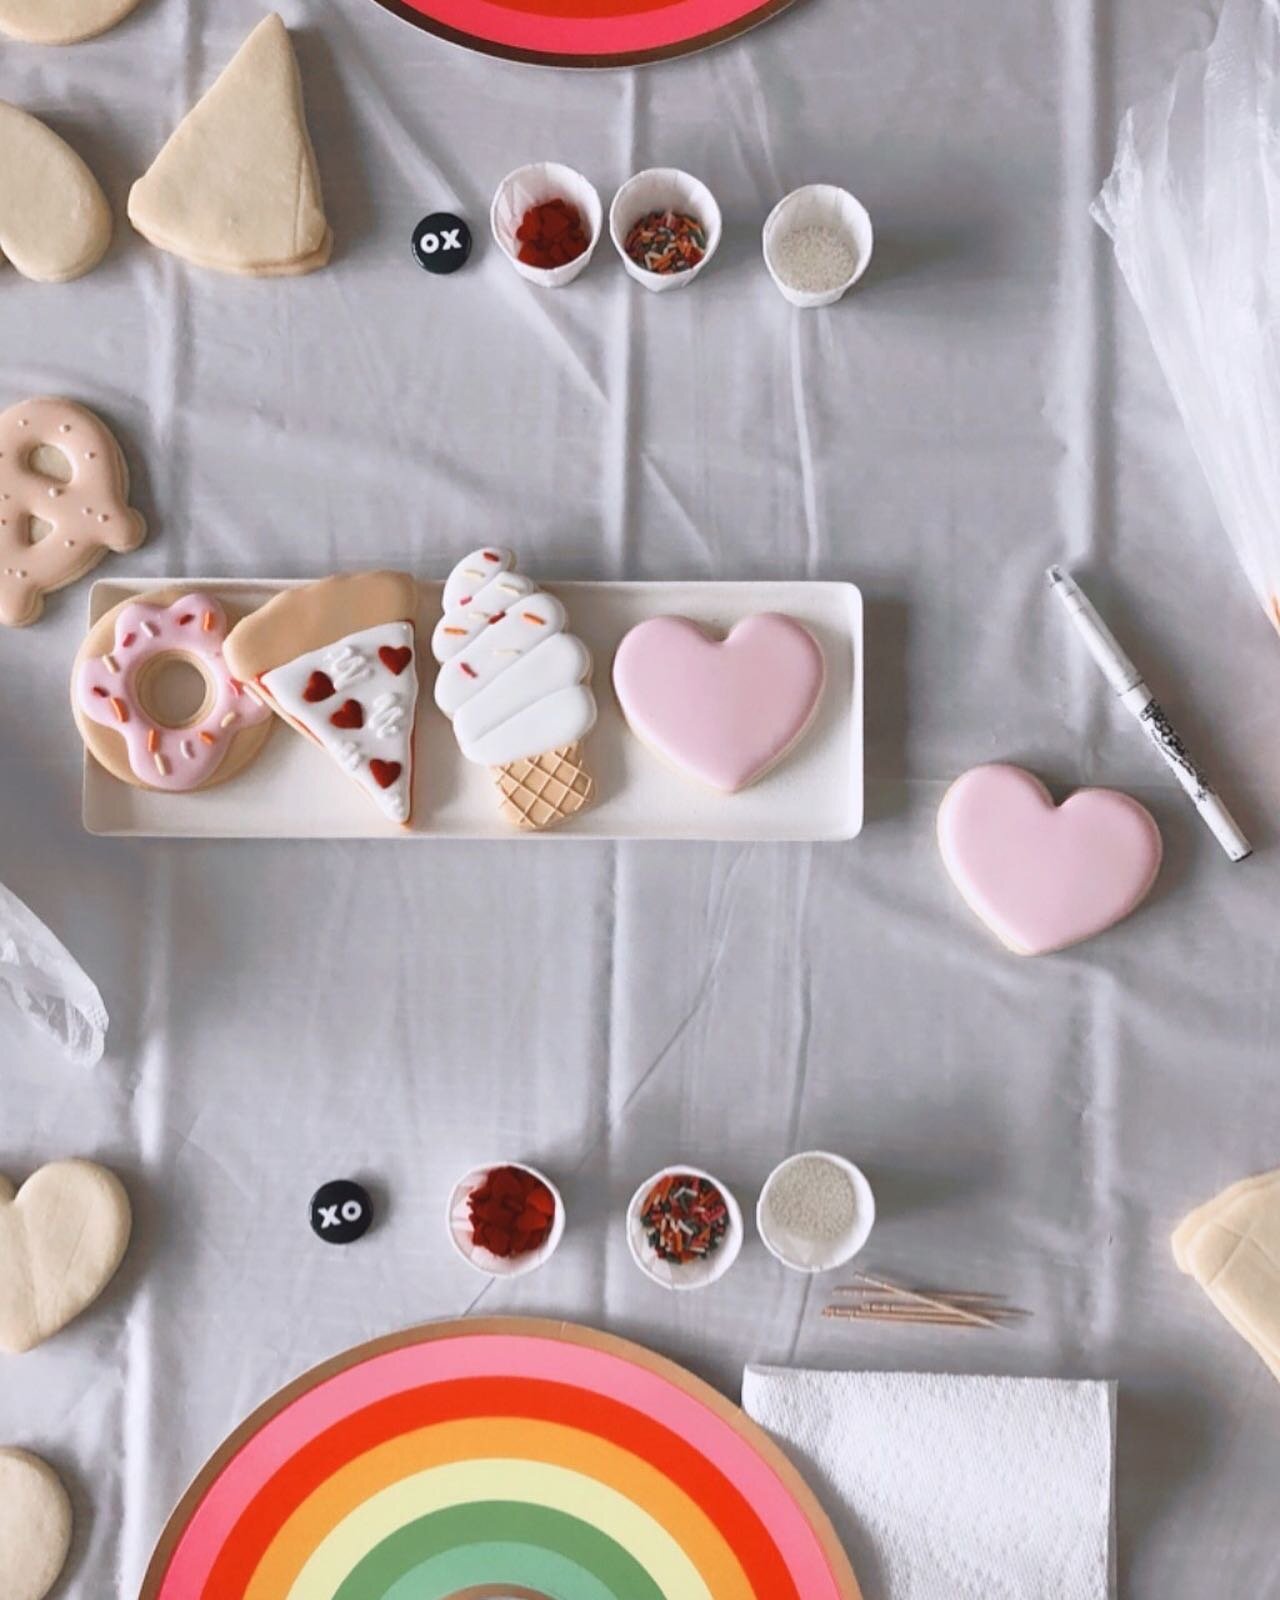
1041	876
721	710
55	223
35	1526
62	1236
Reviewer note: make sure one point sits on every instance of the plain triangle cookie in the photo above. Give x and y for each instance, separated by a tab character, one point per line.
337	660
236	187
55	223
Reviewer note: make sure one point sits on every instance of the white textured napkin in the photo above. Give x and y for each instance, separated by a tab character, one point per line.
953	1488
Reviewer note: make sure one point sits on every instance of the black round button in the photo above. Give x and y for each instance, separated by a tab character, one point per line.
441	242
341	1211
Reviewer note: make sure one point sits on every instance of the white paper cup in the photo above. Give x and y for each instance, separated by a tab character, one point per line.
820	205
688	1274
663	189
458	1222
803	1255
532	186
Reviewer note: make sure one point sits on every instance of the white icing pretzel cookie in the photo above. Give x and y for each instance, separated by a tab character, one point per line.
64	502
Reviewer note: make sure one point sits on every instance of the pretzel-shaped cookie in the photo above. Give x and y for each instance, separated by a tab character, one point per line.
86	515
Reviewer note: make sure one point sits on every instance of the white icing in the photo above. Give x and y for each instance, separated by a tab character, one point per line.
562	718
346	665
388	706
473	571
558	663
386	718
458	627
516	686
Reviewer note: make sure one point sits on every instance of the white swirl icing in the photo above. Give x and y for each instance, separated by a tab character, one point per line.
511	679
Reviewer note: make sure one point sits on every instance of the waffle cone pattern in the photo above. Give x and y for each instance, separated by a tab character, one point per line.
541	791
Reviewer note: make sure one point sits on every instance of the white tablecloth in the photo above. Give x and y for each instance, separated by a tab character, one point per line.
284	1014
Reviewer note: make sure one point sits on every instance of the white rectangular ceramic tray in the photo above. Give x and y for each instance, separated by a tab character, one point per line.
294	791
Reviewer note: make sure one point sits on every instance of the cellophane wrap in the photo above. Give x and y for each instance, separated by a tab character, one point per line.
1193	209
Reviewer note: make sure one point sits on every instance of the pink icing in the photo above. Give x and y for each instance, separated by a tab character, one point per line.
1043	876
724	710
176	759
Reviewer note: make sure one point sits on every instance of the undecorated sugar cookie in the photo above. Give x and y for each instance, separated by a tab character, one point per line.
1041	876
236	187
1231	1247
336	659
723	711
35	1526
62	1236
64	502
61	21
55	223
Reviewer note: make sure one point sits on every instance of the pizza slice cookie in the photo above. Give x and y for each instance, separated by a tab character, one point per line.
337	660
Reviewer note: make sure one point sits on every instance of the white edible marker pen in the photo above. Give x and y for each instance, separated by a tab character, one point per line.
1138	700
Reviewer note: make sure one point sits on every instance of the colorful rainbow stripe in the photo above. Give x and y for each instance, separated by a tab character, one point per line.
499	1457
586	32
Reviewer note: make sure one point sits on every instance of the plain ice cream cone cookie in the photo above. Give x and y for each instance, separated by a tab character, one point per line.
515	686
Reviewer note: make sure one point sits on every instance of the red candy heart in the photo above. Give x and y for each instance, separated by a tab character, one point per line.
384	773
350	714
319	687
393	659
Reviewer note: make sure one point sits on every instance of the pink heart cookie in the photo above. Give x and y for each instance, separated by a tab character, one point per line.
1043	876
724	711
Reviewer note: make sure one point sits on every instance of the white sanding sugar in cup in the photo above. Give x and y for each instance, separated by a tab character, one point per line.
815	259
815	1211
817	243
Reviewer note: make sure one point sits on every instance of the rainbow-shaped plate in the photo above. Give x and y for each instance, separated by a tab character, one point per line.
500	1457
586	33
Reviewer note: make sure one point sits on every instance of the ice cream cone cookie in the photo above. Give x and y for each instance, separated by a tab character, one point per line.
515	686
64	504
130	704
337	660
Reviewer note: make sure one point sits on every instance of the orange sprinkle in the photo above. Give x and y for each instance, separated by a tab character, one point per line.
210	622
121	710
461	631
153	739
532	616
207	738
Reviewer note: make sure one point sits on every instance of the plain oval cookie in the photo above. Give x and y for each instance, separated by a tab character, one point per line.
61	21
55	223
128	722
35	1526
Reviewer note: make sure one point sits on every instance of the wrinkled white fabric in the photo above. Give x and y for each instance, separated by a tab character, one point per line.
985	403
954	1488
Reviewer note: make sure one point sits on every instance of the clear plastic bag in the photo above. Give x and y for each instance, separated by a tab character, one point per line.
46	985
1193	209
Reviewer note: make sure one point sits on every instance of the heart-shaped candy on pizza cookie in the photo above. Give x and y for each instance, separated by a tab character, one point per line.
62	1237
721	710
1041	876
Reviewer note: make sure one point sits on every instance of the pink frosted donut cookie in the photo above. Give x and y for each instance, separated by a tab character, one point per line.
721	710
125	695
1043	876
